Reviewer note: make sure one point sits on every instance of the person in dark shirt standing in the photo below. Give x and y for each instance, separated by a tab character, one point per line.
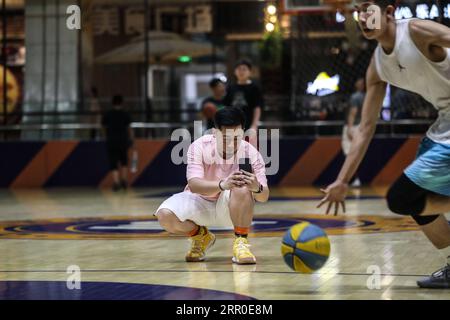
215	101
353	118
119	138
246	95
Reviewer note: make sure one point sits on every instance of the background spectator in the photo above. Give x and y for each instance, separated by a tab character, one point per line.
119	138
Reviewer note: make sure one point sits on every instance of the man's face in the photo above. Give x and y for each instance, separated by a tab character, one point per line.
242	72
366	15
229	140
218	90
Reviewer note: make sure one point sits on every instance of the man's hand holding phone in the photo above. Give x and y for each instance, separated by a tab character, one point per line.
234	180
251	181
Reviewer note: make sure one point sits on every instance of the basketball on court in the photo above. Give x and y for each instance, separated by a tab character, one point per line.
305	247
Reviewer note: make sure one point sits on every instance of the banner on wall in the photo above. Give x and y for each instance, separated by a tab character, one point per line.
130	20
432	10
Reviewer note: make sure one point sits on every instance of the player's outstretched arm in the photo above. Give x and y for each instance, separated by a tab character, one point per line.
427	33
335	193
373	102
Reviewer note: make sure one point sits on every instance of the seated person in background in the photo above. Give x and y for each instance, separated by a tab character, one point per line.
218	193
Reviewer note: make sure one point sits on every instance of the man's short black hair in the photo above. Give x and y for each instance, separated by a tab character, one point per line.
383	4
117	100
229	117
215	82
244	62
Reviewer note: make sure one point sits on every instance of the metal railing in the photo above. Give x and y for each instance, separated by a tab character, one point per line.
163	130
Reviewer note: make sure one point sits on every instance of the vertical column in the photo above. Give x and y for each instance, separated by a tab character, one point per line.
51	77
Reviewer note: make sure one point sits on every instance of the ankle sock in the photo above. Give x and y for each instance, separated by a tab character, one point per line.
241	232
194	231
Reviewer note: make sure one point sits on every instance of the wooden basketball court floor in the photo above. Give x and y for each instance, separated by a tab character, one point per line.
114	240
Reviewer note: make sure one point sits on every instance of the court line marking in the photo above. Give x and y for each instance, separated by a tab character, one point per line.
206	271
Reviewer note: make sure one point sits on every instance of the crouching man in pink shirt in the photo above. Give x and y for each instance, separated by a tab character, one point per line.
219	193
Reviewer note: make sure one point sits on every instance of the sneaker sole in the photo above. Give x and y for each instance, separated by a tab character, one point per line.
202	258
244	261
433	286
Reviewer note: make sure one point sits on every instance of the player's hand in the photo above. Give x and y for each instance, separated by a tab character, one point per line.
250	181
234	180
335	195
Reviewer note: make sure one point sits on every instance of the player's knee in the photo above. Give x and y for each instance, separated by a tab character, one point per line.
242	194
409	199
406	198
397	202
166	219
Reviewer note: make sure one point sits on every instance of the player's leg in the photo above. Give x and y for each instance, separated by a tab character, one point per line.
436	203
241	205
187	214
115	173
170	222
114	164
407	198
123	158
431	171
438	232
124	177
426	203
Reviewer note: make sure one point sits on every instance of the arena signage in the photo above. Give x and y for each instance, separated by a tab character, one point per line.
422	11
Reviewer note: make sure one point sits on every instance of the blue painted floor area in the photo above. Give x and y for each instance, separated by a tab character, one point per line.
58	290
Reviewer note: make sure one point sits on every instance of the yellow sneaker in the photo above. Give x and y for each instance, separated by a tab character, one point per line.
200	244
241	252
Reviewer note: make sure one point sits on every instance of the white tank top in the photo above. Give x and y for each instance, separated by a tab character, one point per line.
407	68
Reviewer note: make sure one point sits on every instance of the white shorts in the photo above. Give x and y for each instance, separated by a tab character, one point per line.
190	206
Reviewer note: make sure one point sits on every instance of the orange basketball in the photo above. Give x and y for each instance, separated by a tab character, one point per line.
209	110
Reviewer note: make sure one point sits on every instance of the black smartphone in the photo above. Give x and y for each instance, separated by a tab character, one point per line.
245	165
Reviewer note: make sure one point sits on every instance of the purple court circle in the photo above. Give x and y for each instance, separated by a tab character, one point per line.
58	290
136	227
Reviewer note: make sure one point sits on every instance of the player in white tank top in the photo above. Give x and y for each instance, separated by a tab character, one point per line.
407	67
413	55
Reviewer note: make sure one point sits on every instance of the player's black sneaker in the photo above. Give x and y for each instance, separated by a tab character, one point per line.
124	184
116	187
439	279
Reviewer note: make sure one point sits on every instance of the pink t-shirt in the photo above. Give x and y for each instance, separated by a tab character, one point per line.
204	161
